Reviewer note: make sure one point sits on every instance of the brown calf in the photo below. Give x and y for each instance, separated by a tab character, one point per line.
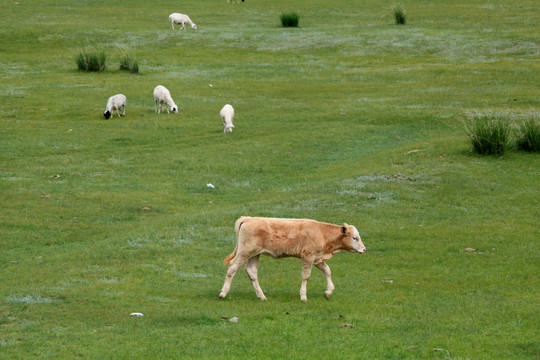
310	240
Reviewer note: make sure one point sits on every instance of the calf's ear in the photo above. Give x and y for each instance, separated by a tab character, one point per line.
344	228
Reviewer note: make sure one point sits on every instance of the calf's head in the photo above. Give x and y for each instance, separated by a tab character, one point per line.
352	238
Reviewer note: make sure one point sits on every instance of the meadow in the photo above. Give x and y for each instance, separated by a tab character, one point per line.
346	118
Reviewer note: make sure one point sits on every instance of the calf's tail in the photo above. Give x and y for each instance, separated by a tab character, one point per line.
230	257
237	227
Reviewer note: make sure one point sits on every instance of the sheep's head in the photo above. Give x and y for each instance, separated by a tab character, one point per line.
174	109
193	26
229	128
107	114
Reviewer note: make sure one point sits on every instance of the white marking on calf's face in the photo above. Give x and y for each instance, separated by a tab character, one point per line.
356	241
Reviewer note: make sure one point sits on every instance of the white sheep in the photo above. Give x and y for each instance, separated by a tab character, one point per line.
115	102
162	96
181	19
227	115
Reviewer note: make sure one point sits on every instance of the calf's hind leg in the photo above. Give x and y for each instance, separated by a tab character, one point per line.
234	265
251	269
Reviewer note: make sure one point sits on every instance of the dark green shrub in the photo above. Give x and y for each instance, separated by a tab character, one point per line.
528	136
488	134
399	13
90	60
129	63
289	19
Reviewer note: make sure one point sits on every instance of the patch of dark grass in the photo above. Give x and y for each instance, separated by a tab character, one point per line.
399	13
528	136
289	19
489	135
91	60
129	63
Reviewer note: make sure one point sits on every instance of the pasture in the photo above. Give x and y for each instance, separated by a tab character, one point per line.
347	118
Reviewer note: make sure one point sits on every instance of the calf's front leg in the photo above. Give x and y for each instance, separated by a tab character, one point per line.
328	275
306	272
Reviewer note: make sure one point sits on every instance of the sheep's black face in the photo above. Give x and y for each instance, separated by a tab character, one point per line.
107	114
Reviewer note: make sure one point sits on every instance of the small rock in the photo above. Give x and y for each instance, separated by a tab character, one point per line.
48	196
234	319
470	249
146	208
345	326
136	314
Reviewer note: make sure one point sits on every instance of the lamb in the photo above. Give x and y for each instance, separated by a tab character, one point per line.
115	102
162	96
181	19
227	115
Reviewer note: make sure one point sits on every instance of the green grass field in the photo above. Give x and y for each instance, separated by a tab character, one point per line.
347	118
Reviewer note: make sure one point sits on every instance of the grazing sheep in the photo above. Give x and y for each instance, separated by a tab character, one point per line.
227	115
162	96
181	19
115	102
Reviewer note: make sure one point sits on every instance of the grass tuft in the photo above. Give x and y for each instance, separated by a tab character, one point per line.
489	135
289	19
129	63
90	61
528	136
400	14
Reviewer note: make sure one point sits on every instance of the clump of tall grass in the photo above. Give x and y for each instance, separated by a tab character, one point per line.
528	136
289	19
399	13
129	63
488	134
90	60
